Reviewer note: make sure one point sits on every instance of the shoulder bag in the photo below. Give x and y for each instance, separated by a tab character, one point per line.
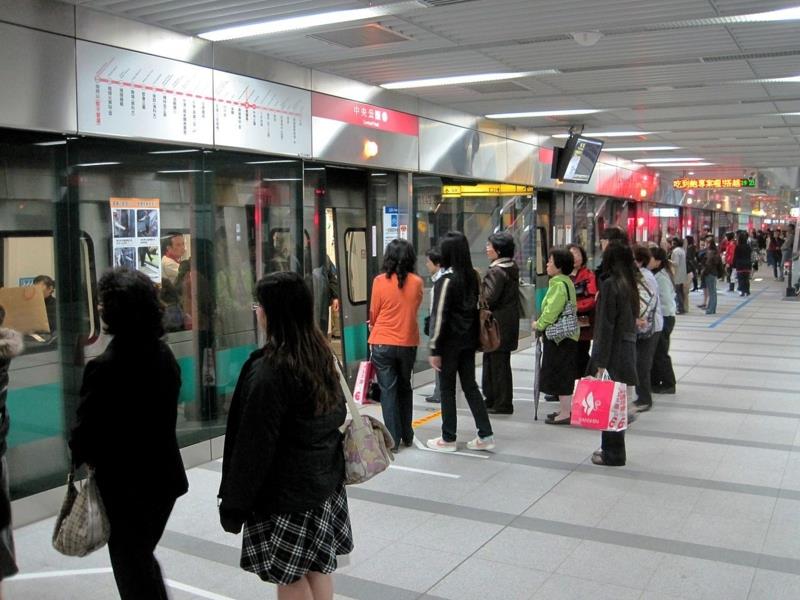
489	331
82	525
567	323
367	443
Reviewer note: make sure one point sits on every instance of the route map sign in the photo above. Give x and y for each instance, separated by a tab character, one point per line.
695	183
259	115
131	94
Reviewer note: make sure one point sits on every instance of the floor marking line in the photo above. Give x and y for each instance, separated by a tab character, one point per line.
425	472
426	419
736	309
64	573
177	585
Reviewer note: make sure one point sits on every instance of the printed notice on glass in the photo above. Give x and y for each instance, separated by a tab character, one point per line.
130	94
135	235
259	115
391	225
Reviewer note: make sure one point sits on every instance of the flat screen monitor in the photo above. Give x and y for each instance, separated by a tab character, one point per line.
576	161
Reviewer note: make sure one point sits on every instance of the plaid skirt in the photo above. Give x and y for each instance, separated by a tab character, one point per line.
281	548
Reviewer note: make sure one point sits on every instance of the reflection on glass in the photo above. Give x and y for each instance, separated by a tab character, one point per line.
355	242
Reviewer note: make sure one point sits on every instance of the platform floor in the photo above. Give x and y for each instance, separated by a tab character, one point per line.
708	506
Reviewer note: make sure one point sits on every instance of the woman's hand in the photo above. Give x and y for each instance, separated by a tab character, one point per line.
435	362
533	326
231	521
601	373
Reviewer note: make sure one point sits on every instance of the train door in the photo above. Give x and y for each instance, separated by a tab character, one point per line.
545	231
338	242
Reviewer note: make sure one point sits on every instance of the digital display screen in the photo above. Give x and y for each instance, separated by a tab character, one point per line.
581	156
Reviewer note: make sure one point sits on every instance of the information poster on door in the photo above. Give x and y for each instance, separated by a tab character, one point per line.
391	225
126	93
136	234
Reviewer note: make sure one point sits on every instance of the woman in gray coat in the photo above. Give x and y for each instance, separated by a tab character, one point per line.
614	346
500	291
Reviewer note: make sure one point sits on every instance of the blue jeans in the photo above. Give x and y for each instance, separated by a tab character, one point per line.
394	365
711	286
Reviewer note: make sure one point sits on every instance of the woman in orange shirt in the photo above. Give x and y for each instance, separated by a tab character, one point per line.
394	336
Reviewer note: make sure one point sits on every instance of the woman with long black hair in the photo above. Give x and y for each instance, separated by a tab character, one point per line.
662	375
283	463
743	263
454	340
614	346
394	336
126	426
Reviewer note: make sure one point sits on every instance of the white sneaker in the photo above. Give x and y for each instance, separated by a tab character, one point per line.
440	445
479	443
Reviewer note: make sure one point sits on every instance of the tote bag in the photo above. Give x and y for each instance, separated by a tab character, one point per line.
567	323
82	525
367	443
600	404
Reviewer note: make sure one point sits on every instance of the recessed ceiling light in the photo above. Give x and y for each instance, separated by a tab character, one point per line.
269	162
545	113
306	21
688	164
462	79
639	148
173	151
607	134
54	143
98	164
667	159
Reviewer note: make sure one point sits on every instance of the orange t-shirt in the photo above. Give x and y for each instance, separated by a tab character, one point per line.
393	311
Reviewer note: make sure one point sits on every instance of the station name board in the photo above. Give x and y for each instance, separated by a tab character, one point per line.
485	190
686	183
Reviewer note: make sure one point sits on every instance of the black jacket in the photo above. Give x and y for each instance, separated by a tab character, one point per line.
501	293
279	456
454	319
126	422
712	265
742	260
10	346
614	346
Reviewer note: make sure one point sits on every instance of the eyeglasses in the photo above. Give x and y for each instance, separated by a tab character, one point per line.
254	306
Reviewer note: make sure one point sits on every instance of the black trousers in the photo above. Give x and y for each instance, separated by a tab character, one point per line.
661	374
497	381
645	350
461	362
679	297
582	357
136	527
612	443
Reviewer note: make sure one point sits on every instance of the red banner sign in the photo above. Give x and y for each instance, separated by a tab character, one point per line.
364	115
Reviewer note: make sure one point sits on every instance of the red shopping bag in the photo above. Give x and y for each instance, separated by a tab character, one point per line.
600	404
366	372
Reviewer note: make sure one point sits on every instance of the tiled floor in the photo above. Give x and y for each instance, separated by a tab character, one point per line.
707	507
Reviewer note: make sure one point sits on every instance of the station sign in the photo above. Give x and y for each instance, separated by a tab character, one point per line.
693	183
484	190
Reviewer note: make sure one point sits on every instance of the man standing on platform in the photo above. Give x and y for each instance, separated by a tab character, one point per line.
678	259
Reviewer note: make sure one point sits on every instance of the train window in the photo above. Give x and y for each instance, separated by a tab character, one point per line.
355	243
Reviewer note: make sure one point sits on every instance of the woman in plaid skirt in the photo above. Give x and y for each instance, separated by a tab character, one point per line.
283	463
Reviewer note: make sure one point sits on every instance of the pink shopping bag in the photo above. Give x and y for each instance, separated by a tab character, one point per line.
366	371
600	404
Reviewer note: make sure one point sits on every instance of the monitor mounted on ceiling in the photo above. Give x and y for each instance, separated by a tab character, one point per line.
575	162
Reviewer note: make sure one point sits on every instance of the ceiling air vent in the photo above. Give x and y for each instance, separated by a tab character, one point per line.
496	87
751	56
371	34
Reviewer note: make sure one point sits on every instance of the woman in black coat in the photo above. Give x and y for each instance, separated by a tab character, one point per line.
126	430
614	346
743	263
283	463
500	291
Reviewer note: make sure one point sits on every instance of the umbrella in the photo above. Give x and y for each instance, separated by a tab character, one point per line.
537	367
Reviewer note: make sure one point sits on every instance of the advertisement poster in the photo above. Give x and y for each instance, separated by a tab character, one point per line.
136	234
391	225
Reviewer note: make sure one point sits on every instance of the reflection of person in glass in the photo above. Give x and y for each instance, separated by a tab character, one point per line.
326	293
10	346
47	285
126	425
173	247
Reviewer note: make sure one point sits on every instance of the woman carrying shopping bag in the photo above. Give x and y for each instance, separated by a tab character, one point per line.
283	464
614	347
126	430
560	348
394	336
454	340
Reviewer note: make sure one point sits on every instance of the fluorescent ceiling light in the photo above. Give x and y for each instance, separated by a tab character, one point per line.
666	159
283	179
314	169
97	164
784	14
783	114
461	79
545	113
307	21
607	134
639	148
377	174
792	79
678	164
173	151
56	143
269	162
175	171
